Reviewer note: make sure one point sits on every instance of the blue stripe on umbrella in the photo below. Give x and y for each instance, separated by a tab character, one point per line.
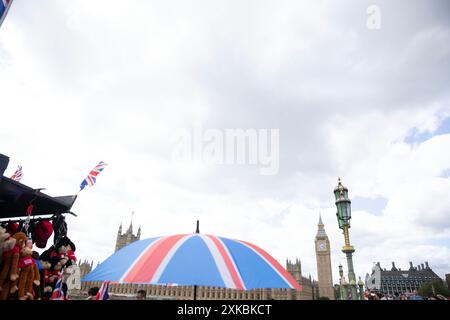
192	264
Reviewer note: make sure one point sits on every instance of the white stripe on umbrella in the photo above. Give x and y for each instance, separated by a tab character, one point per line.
232	261
168	257
140	256
220	262
268	263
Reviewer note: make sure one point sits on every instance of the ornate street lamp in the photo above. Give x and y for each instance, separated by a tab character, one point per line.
342	285
344	214
361	289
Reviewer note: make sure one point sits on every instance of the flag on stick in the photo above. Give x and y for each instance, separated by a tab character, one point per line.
92	177
102	293
17	176
4	7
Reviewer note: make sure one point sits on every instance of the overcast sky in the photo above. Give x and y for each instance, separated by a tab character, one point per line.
87	81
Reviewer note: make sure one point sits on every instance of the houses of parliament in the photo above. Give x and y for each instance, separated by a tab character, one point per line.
311	289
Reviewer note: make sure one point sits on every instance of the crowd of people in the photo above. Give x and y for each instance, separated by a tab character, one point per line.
93	294
373	295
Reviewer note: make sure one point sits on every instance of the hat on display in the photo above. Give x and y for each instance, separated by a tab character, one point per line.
42	232
12	228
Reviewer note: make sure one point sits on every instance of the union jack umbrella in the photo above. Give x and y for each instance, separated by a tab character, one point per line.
194	259
4	7
17	176
92	177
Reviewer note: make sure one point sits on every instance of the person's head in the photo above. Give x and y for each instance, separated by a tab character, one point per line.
141	295
93	291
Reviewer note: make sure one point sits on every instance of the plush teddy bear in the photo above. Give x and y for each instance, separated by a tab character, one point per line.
69	248
28	273
56	269
8	265
3	237
9	269
59	256
45	288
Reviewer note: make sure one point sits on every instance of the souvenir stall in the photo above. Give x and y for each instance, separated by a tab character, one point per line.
28	218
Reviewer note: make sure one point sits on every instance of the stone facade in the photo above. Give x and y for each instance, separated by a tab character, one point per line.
398	280
126	238
161	292
324	273
310	288
85	267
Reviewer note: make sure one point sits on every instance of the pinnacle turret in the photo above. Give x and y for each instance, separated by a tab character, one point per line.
321	229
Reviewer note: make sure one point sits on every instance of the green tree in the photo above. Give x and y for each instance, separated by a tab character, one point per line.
432	288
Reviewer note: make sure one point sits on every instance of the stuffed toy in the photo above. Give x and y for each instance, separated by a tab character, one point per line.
37	289
58	256
8	265
9	268
72	257
55	272
28	273
70	248
3	237
6	244
46	288
62	254
12	228
51	277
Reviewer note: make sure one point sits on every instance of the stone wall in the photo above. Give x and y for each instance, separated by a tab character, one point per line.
128	291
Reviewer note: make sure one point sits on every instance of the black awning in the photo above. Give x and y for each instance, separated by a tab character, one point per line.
15	198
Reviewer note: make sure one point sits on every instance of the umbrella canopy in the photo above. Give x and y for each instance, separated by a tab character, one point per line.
194	259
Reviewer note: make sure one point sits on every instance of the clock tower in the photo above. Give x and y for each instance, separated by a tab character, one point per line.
324	263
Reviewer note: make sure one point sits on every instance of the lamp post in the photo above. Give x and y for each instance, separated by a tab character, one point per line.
361	289
343	205
342	285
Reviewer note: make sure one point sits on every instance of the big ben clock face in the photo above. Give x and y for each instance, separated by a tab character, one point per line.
322	246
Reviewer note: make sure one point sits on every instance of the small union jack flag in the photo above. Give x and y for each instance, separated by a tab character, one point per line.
17	176
92	177
4	7
57	292
102	293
